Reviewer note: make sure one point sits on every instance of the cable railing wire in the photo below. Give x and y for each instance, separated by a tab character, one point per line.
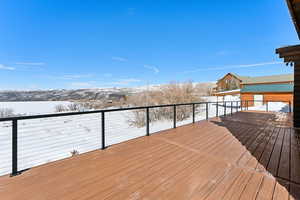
107	127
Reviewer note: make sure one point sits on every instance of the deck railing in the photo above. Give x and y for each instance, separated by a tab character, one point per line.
219	108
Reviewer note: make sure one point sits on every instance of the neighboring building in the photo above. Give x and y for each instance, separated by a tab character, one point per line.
261	88
229	87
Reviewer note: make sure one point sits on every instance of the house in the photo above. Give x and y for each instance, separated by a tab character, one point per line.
256	90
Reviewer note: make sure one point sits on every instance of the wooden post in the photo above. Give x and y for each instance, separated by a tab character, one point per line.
291	54
296	103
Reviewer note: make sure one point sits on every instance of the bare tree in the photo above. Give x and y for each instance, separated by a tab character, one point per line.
6	112
172	93
60	108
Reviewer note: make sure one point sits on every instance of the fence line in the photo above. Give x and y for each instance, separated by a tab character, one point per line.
228	107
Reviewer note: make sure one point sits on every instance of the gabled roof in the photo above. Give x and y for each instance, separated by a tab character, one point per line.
269	79
241	78
268	88
263	79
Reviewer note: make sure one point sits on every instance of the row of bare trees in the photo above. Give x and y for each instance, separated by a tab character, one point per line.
70	107
173	93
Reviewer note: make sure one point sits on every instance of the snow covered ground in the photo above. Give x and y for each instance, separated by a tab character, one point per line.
33	107
49	139
272	106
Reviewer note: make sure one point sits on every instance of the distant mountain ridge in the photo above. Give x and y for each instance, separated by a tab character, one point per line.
77	94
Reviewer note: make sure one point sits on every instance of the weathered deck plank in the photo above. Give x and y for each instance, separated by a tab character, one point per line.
245	156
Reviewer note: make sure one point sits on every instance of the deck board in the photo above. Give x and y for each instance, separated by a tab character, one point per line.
248	155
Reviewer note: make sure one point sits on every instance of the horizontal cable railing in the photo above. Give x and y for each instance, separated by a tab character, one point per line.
28	141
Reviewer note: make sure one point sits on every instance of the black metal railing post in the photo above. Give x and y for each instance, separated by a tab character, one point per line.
14	148
217	109
224	105
147	122
241	105
231	107
103	129
193	108
174	119
237	107
290	106
247	105
206	105
267	106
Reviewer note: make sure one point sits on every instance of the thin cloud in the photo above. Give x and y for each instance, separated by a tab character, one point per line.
96	84
71	76
120	59
4	67
233	67
125	81
31	63
81	84
152	67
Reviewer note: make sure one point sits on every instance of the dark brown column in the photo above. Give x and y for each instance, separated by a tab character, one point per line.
291	54
296	102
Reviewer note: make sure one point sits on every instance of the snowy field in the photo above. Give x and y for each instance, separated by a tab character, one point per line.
33	107
272	106
49	139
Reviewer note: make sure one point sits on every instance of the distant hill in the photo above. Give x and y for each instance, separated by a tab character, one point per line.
84	94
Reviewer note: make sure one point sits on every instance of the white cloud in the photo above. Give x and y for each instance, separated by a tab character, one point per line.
81	84
31	63
152	67
125	81
120	59
95	84
4	67
71	76
233	67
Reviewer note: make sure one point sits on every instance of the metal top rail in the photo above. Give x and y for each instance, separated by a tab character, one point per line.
99	111
114	110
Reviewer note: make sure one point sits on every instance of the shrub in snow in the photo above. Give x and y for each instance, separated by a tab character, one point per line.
71	107
74	153
61	108
172	93
6	112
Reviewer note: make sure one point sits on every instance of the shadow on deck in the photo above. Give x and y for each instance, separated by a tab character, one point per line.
248	155
271	140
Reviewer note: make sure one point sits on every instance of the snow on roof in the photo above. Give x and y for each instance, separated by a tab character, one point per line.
228	91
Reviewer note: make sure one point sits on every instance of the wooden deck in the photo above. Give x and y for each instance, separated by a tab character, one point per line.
249	155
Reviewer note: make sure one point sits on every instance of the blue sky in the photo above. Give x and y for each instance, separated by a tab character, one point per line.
83	44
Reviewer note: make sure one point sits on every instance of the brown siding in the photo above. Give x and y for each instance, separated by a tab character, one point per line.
247	97
267	97
278	97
